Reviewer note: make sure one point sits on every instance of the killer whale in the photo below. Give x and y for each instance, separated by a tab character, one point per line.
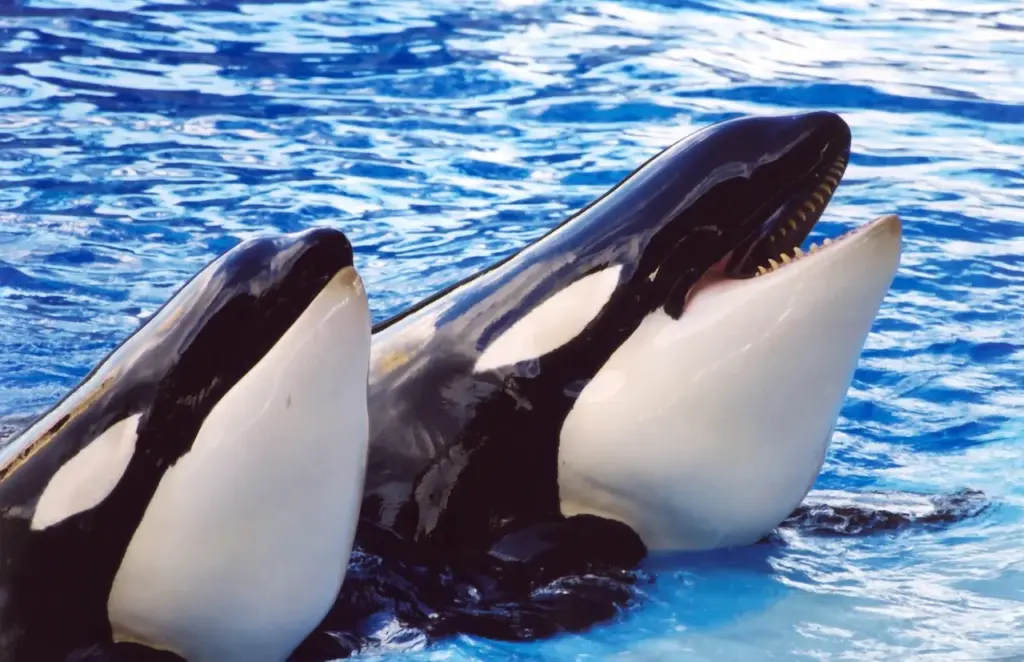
498	402
661	371
198	492
508	541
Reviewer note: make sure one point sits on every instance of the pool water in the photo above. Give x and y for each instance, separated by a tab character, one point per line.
139	140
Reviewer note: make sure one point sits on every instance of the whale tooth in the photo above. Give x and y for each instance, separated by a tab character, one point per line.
785	258
773	263
797	253
826	242
792	224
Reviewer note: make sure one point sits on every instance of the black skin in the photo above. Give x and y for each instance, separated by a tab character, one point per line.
506	567
461	490
458	459
826	519
54	583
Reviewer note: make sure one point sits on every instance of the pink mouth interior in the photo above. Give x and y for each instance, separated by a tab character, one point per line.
713	276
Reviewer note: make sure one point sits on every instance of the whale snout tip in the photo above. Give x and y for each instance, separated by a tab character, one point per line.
888	224
884	232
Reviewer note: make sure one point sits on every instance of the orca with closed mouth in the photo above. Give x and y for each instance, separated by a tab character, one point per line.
198	492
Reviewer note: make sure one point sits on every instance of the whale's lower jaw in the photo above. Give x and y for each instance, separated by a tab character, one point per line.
707	431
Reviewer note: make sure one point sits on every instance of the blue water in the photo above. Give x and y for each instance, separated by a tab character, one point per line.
137	141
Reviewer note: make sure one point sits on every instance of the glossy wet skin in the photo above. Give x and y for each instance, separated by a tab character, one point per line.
55	576
752	210
460	455
261	286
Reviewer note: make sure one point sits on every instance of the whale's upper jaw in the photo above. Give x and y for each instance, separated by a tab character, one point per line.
735	197
820	159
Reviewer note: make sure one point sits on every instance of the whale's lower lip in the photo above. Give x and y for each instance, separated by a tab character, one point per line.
717	273
879	224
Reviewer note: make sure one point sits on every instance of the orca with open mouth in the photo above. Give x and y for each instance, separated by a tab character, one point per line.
669	358
661	371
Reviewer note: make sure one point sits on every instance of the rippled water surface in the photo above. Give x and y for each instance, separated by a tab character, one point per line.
137	141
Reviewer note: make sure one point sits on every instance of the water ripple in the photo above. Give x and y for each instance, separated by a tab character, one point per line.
139	139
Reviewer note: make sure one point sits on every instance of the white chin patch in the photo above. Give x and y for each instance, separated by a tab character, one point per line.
243	546
707	431
89	477
556	321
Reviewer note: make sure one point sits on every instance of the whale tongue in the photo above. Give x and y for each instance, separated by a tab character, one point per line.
715	274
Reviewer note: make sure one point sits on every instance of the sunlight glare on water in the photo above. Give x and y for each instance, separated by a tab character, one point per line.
138	140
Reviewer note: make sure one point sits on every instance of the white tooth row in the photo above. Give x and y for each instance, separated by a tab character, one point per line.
786	259
827	187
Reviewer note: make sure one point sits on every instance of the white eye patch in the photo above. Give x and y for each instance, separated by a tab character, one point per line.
553	323
89	477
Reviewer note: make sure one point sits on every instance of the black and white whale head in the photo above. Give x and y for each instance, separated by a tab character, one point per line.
198	492
668	358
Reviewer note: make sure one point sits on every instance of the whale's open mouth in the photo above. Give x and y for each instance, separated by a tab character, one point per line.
781	239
